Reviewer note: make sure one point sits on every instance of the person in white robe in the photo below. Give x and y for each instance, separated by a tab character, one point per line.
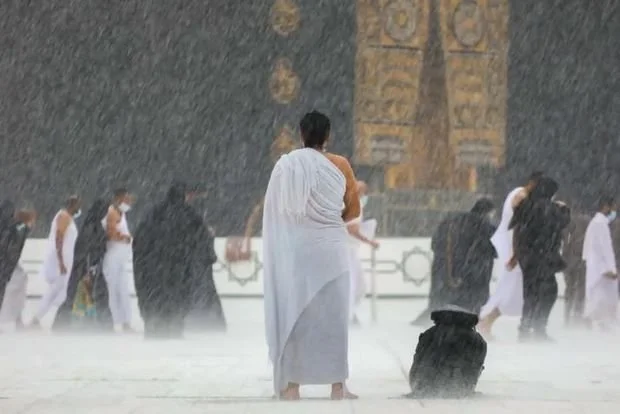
507	299
362	233
15	294
58	259
601	273
14	300
310	196
116	260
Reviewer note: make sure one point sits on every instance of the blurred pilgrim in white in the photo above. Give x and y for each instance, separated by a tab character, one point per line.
362	232
58	260
507	299
116	259
601	272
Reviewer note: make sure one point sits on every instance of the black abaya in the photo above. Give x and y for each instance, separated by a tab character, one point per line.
167	245
206	312
9	244
463	258
90	247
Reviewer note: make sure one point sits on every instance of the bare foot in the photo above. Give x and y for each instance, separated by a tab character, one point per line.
340	392
291	393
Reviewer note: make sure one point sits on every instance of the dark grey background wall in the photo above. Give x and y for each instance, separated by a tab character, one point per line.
564	95
100	93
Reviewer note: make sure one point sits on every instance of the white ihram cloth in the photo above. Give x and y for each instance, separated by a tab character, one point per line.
306	271
14	297
358	285
508	294
56	292
116	274
598	253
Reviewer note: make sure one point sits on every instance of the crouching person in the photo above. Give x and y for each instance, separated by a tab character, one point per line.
449	357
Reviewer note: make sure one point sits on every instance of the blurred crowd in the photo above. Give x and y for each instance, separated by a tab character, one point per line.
86	267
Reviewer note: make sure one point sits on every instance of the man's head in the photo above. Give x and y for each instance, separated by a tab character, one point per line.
315	128
28	217
73	205
545	189
123	199
178	193
362	188
533	180
607	204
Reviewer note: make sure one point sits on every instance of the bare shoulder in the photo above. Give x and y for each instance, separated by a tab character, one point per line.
113	213
64	216
63	220
341	162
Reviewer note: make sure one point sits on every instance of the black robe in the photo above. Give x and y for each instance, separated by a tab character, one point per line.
90	248
539	225
449	357
463	258
166	246
206	307
9	244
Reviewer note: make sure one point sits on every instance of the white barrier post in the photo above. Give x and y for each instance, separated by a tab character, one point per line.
373	286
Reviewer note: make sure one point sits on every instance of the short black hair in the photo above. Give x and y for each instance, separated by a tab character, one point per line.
535	176
315	128
120	192
606	200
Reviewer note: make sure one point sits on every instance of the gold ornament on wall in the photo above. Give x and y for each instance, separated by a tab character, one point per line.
401	20
285	17
284	83
468	23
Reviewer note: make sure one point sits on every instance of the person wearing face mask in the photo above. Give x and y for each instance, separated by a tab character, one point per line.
116	259
15	294
58	259
356	229
601	272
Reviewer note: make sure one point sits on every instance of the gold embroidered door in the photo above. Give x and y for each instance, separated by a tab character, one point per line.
431	74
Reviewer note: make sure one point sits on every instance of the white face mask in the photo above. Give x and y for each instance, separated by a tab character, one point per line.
124	207
363	200
77	214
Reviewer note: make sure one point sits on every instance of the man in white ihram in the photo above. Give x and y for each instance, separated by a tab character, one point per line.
58	259
601	272
311	194
508	296
116	259
361	232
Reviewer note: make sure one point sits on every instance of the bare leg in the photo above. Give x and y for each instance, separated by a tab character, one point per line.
485	326
291	393
340	392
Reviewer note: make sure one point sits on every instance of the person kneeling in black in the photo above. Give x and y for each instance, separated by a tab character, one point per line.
449	357
538	223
